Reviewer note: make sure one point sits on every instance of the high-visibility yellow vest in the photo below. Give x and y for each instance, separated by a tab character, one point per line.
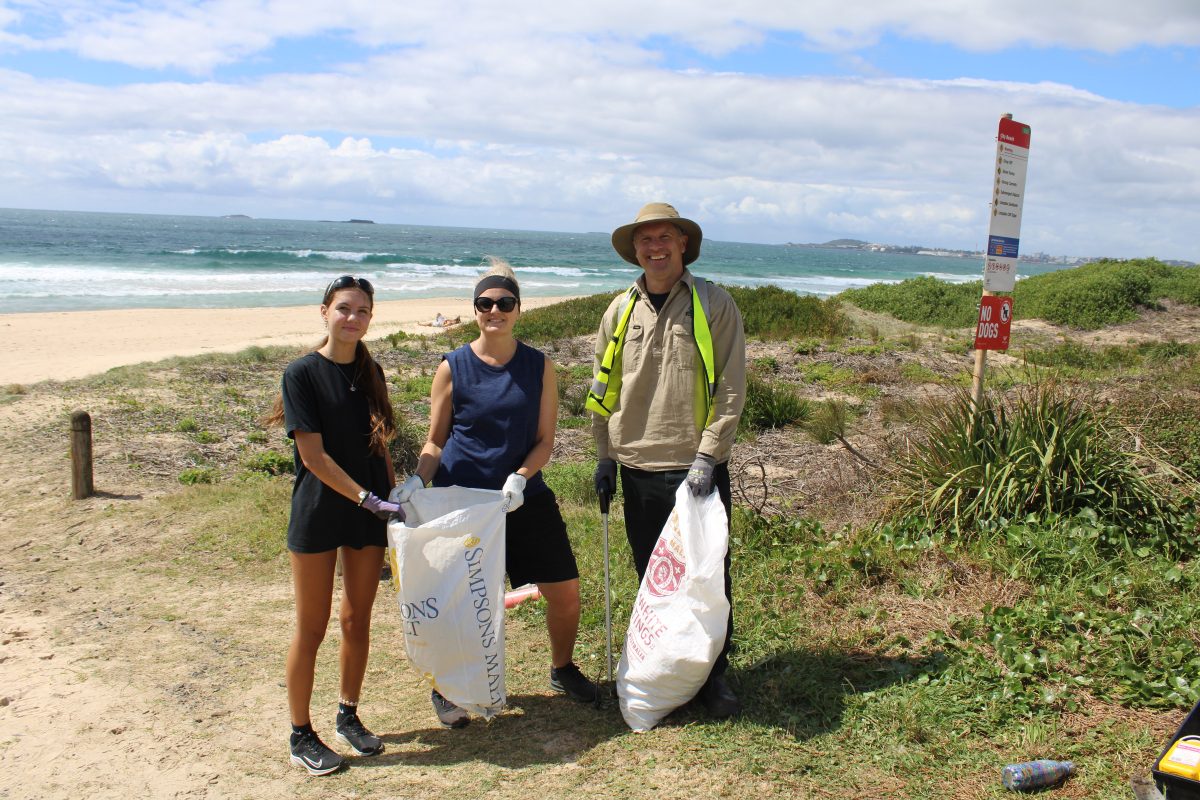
605	393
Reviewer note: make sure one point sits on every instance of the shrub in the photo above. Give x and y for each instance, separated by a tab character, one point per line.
576	317
770	312
572	398
1046	452
830	422
1091	296
924	300
405	448
194	475
772	405
187	425
271	462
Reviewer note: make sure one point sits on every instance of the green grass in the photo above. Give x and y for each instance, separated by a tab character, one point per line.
826	374
1078	356
242	521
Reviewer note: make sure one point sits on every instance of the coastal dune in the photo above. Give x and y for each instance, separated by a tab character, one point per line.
74	344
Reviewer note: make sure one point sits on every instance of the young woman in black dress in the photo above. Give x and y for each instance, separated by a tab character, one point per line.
335	407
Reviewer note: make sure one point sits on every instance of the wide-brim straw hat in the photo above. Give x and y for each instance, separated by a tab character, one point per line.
622	238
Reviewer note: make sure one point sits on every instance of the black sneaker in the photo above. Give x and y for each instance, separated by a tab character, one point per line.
570	681
310	752
450	715
718	699
351	731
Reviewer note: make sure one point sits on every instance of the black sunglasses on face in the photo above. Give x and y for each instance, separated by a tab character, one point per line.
350	282
505	304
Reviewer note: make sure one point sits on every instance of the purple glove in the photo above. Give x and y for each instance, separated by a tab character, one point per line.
381	508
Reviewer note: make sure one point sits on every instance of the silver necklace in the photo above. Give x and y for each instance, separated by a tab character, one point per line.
353	387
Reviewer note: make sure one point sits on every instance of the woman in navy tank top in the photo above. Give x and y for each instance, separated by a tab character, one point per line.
493	411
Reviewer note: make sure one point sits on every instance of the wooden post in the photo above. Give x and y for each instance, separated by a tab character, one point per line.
81	455
977	378
980	365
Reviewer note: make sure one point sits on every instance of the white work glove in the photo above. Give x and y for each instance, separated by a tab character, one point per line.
514	492
404	492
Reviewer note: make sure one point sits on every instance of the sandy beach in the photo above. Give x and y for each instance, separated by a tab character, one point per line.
72	344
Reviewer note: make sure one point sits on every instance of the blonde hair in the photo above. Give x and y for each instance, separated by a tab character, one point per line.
498	266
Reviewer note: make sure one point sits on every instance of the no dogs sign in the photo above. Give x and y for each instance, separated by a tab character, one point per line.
995	319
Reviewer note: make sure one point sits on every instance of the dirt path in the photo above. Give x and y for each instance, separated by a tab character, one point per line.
133	663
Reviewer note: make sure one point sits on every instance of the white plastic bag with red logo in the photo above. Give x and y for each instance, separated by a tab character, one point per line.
448	573
680	616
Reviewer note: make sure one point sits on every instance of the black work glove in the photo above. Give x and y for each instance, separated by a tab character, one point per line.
606	477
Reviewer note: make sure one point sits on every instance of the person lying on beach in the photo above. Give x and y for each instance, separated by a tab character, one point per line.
334	405
442	322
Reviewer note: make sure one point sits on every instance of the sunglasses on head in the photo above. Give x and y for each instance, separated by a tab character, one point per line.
505	304
350	282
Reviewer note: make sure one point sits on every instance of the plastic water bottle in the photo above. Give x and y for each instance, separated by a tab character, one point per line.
1035	774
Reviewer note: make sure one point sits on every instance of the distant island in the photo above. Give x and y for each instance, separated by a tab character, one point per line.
361	221
237	216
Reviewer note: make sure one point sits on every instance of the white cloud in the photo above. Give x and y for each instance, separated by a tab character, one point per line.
572	125
200	36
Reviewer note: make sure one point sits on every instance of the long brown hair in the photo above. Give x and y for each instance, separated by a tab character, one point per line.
379	404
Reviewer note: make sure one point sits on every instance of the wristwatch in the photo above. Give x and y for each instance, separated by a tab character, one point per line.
362	496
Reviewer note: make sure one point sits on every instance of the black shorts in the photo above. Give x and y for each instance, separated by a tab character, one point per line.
536	546
324	540
340	524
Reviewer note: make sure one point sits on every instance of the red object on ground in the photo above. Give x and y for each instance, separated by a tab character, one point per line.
522	593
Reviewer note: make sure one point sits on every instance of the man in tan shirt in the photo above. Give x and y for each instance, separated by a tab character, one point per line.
665	424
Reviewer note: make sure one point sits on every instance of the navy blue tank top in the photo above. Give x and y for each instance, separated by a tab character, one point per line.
494	419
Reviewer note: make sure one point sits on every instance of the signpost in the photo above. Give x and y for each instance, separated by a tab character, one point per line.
1008	193
1004	242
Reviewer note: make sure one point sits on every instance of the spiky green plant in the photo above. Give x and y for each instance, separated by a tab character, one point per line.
772	405
1043	451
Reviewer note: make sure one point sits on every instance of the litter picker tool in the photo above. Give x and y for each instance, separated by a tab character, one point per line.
605	498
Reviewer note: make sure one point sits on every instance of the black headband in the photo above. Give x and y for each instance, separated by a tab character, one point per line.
497	282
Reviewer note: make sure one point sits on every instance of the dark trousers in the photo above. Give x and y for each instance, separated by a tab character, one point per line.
649	498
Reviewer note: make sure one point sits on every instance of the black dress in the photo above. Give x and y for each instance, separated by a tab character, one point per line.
317	399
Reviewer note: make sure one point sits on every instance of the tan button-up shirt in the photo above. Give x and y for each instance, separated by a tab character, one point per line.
654	426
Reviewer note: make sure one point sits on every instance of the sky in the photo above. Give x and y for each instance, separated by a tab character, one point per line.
763	120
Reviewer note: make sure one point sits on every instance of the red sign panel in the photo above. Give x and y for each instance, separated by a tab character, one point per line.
1014	133
995	319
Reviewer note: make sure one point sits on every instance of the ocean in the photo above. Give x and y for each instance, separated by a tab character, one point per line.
69	261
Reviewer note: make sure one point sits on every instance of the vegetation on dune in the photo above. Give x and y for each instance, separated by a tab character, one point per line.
1044	450
924	300
768	312
1037	559
1089	296
772	313
1104	292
